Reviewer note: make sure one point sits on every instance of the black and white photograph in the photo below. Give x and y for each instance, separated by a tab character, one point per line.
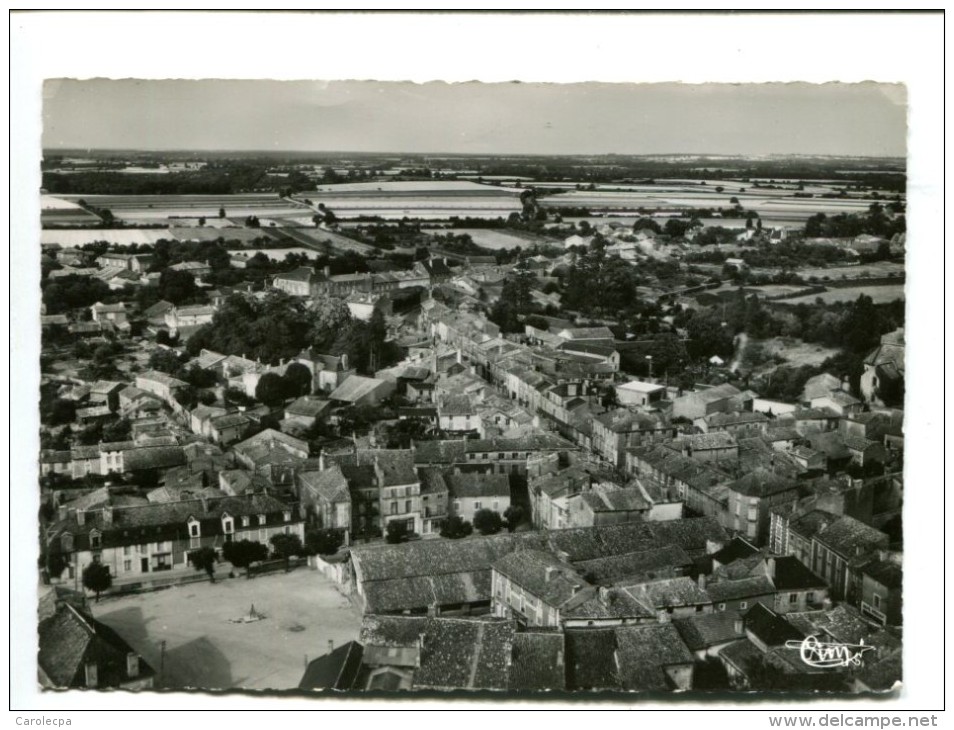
514	389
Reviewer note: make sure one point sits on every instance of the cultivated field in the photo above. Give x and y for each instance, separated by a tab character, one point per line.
496	239
205	650
275	254
878	294
153	208
76	237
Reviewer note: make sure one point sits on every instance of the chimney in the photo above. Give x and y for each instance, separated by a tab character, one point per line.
344	360
738	626
327	272
63	512
107	515
702	581
661	616
770	565
331	643
604	594
80	517
550	571
132	664
321	461
92	675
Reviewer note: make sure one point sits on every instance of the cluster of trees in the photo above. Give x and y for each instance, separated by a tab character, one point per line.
274	389
215	179
73	292
595	284
876	222
279	327
514	300
486	522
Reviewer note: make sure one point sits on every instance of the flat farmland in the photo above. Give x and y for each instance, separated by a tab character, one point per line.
496	239
796	352
76	237
204	649
431	200
157	207
873	270
878	294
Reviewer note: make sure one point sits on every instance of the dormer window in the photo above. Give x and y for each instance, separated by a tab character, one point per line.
228	524
195	529
287	516
245	521
261	520
95	540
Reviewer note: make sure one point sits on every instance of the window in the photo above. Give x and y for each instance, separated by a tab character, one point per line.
456	505
722	607
407	505
246	521
793	598
810	597
193	529
394	508
228	526
287	516
484	457
513	455
127	550
95	540
476	506
496	505
743	605
876	599
127	566
261	520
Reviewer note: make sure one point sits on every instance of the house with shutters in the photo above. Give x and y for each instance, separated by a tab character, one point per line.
143	539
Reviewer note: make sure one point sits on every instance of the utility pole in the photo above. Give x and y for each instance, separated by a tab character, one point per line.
162	661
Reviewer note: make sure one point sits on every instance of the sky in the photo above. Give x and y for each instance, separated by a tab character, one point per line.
865	119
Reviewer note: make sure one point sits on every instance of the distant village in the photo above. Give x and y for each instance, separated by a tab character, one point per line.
507	507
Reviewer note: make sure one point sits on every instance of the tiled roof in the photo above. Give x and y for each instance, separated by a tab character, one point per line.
850	537
456	405
762	483
615	500
229	420
885	572
474	484
450	653
769	627
153	457
705	441
537	662
792	575
308	406
708	629
645	652
590	660
617	568
669	593
336	670
69	640
543	575
731	590
331	484
355	387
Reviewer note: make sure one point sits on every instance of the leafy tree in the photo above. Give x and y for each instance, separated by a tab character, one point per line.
204	559
487	522
270	390
456	527
120	430
243	553
62	411
609	399
176	286
286	546
396	532
166	361
324	541
513	515
298	380
97	578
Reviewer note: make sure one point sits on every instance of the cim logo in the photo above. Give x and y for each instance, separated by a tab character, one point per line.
826	655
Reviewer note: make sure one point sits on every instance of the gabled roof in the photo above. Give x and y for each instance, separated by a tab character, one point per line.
336	670
355	387
731	590
542	575
762	483
69	639
669	593
850	537
331	484
769	627
646	652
